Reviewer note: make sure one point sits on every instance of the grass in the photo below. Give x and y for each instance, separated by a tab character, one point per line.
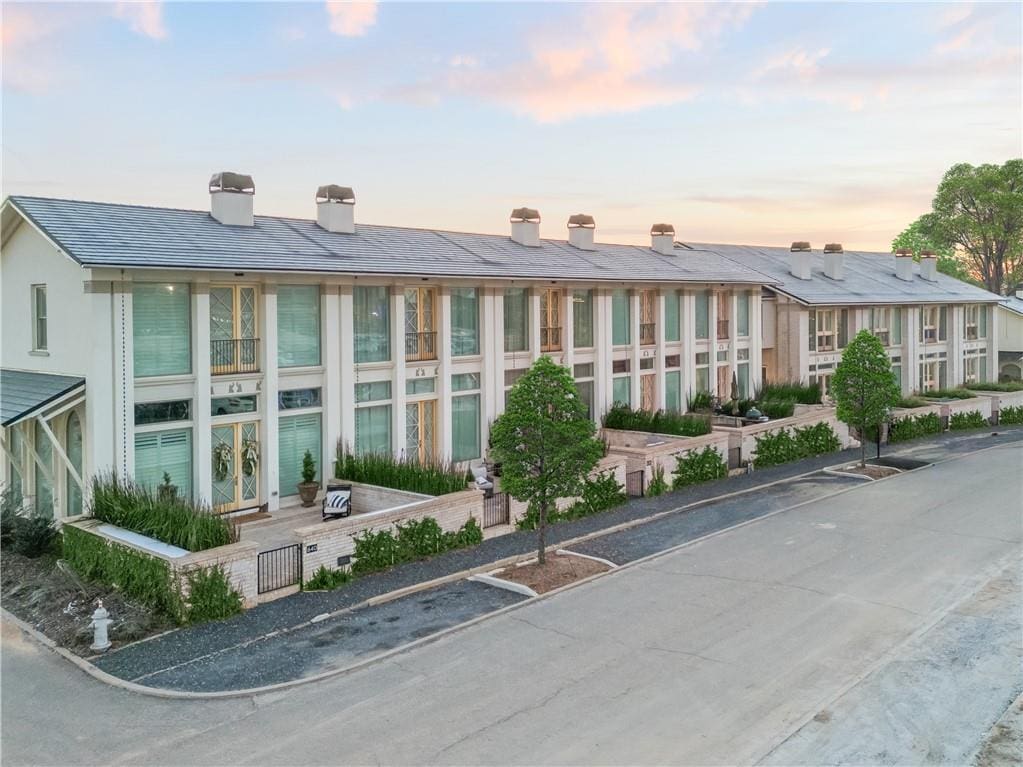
660	422
800	393
1005	386
908	403
175	521
384	470
777	408
957	393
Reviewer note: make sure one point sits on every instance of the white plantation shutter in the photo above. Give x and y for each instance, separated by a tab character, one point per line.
157	452
161	329
298	325
297	434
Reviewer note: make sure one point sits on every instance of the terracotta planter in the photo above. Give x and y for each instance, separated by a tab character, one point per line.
307	492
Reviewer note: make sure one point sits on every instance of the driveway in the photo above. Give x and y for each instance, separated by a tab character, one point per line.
719	652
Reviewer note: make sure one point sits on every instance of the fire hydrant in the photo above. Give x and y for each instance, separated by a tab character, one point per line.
100	621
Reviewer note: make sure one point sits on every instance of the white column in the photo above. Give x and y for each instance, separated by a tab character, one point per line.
733	335
443	414
492	350
660	403
269	476
398	377
124	377
346	370
712	332
756	341
202	436
688	311
911	343
634	352
602	341
568	329
534	323
956	329
992	341
330	350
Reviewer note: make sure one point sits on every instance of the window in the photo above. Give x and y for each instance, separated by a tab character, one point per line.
516	319
647	314
293	399
621	321
975	323
647	363
550	320
416	386
880	324
233	344
822	338
161	330
703	315
420	324
621	366
373	429
742	314
44	487
673	390
511	377
722	317
933	323
673	361
296	435
582	319
370	392
742	376
39	341
583	370
465	322
897	371
157	452
896	326
975	366
703	371
233	405
161	412
672	317
465	381
465	418
622	391
298	325
585	389
843	328
372	324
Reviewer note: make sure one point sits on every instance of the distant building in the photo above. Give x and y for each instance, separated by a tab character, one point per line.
1010	337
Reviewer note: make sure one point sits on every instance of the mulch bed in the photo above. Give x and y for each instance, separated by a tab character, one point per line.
874	472
43	593
559	570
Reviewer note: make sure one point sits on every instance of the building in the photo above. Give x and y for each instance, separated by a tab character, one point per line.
216	347
1010	337
939	331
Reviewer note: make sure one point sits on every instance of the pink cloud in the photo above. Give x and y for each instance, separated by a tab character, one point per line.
145	17
351	19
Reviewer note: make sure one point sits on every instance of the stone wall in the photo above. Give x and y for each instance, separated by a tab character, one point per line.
369	498
1002	399
645	452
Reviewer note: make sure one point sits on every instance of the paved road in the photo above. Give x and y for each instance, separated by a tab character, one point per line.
715	653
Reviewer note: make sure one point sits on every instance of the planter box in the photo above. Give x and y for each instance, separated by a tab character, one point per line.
742	440
1001	399
645	451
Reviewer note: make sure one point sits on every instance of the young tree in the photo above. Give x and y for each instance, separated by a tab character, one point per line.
914	238
864	387
544	441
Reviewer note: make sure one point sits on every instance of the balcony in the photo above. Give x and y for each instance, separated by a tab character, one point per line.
722	330
234	355
647	334
420	347
550	339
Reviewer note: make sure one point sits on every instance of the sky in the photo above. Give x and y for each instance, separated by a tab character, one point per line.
757	123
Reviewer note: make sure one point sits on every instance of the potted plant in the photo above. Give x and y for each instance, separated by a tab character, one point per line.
167	491
308	487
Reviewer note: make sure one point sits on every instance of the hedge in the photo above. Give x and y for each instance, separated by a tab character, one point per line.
599	493
785	445
913	427
971	419
696	466
1005	386
659	422
415	539
407	473
1011	415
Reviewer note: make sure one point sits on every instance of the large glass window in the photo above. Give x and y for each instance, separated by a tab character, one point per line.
585	389
296	434
465	322
516	319
465	427
44	487
621	321
375	390
298	325
702	315
161	412
157	452
582	319
622	391
292	399
161	329
245	403
673	390
373	429
742	313
672	316
372	323
896	326
703	371
550	320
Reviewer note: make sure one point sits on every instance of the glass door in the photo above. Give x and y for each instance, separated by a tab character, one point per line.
235	466
233	329
420	330
648	391
420	418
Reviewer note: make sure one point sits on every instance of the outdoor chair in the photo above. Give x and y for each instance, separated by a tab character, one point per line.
338	501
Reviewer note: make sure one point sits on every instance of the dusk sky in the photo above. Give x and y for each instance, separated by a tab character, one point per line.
756	123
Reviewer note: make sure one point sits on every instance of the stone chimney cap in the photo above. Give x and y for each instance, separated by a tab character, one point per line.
525	214
928	254
904	252
580	220
833	247
662	229
226	181
800	247
335	193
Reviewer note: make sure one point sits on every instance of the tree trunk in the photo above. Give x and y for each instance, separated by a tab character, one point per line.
863	448
541	551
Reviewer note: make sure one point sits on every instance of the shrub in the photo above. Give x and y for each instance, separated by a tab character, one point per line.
211	596
599	493
995	386
777	408
971	419
784	445
948	394
913	427
1010	415
412	540
34	535
308	468
804	394
658	485
659	422
700	400
326	580
176	521
908	403
698	466
384	470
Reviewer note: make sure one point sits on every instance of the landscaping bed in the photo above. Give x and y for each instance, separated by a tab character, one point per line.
60	605
558	571
871	471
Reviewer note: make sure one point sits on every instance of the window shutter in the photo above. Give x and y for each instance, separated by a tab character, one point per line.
161	330
164	451
298	325
296	435
465	427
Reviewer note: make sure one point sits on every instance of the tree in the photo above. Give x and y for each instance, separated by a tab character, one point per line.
978	210
544	441
949	263
864	387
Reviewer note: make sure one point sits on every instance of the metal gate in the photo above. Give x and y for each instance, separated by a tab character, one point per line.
279	568
496	510
634	483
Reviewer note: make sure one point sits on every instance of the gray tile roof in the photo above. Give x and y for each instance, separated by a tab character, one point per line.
23	392
869	278
103	234
1013	304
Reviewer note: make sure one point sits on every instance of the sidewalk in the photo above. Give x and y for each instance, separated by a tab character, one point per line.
225	655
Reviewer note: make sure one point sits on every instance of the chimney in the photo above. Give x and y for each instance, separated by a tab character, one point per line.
799	260
662	239
580	231
904	264
231	198
526	227
834	261
929	265
335	208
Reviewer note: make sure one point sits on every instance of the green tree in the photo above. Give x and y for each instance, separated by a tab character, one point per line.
978	210
544	441
864	387
949	263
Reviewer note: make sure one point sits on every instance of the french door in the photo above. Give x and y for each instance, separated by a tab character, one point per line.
420	422
236	462
550	320
233	329
420	324
648	392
